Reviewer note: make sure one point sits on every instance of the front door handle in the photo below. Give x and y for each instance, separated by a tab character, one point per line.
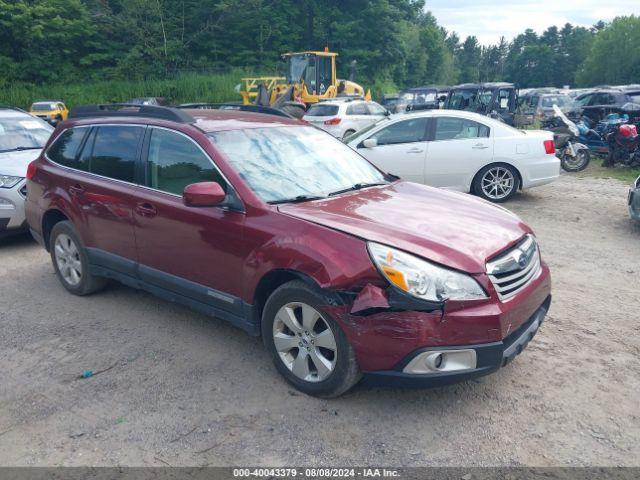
145	209
415	150
76	190
480	146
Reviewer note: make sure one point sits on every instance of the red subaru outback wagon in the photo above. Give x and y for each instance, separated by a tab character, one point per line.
284	231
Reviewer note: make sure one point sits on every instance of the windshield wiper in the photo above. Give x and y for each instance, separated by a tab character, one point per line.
357	186
19	149
298	199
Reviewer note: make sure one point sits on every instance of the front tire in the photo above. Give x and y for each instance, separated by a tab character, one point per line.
497	183
70	261
577	163
307	346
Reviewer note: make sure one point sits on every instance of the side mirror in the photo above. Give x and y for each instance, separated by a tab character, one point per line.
370	143
387	113
205	194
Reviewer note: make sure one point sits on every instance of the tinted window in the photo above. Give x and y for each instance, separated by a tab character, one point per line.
584	100
114	153
449	128
603	99
320	110
357	109
407	131
175	161
64	151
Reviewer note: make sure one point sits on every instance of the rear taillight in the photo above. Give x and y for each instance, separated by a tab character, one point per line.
333	121
31	170
549	147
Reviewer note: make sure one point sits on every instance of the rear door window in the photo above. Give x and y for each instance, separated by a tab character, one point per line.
115	150
175	161
357	109
64	150
451	128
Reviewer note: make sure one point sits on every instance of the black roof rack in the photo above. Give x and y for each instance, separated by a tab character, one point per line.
236	106
131	110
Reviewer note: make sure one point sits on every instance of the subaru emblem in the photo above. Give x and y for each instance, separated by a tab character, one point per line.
522	259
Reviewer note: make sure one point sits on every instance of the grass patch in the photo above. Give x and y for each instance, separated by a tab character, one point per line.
620	172
181	89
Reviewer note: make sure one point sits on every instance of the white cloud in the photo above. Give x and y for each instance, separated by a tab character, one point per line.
489	20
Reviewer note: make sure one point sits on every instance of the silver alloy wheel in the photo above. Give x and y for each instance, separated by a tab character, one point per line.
305	342
68	259
497	183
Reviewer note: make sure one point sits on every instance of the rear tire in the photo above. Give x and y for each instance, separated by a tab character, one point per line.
312	352
70	261
497	183
583	157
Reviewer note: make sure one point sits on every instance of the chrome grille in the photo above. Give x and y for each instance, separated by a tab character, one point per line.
514	270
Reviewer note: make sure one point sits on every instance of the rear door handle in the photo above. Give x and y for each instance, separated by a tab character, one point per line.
480	146
415	150
145	209
76	190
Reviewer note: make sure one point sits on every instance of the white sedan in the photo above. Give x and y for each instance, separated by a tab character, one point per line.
461	151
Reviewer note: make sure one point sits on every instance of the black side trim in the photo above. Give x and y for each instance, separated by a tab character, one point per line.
187	288
174	289
111	261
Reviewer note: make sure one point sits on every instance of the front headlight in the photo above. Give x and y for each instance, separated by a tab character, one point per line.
423	279
7	181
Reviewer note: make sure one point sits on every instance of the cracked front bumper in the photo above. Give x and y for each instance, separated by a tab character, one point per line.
489	358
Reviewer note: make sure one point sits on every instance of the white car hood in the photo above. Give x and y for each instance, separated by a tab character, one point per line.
15	163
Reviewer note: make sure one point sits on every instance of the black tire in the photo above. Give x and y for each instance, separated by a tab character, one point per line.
585	158
88	283
345	373
476	186
347	133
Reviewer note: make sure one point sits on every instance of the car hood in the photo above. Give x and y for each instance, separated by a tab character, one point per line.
450	228
16	163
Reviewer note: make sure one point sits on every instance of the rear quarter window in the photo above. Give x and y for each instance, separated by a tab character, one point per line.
65	148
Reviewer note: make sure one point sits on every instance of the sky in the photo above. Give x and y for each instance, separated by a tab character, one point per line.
489	20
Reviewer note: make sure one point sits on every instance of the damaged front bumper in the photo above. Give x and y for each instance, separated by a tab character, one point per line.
458	363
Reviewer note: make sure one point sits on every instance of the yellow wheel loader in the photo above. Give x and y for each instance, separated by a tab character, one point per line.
310	78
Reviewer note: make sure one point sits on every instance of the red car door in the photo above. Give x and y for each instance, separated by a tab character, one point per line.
195	252
100	185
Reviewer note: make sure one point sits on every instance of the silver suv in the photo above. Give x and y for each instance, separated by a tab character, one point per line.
22	136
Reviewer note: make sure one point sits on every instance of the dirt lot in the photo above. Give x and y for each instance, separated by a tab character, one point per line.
188	390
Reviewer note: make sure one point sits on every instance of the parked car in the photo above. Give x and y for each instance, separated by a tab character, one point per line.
497	99
539	106
344	117
461	151
599	103
22	136
634	200
286	232
50	111
421	98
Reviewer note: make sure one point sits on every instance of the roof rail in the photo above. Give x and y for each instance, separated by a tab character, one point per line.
131	110
237	106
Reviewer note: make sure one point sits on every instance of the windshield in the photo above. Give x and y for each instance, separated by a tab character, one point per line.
474	100
322	111
18	133
297	66
43	107
287	162
635	97
561	100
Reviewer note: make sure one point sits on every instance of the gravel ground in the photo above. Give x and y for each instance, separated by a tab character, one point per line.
188	390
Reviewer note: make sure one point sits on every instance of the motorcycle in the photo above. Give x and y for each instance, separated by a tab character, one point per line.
574	156
624	146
